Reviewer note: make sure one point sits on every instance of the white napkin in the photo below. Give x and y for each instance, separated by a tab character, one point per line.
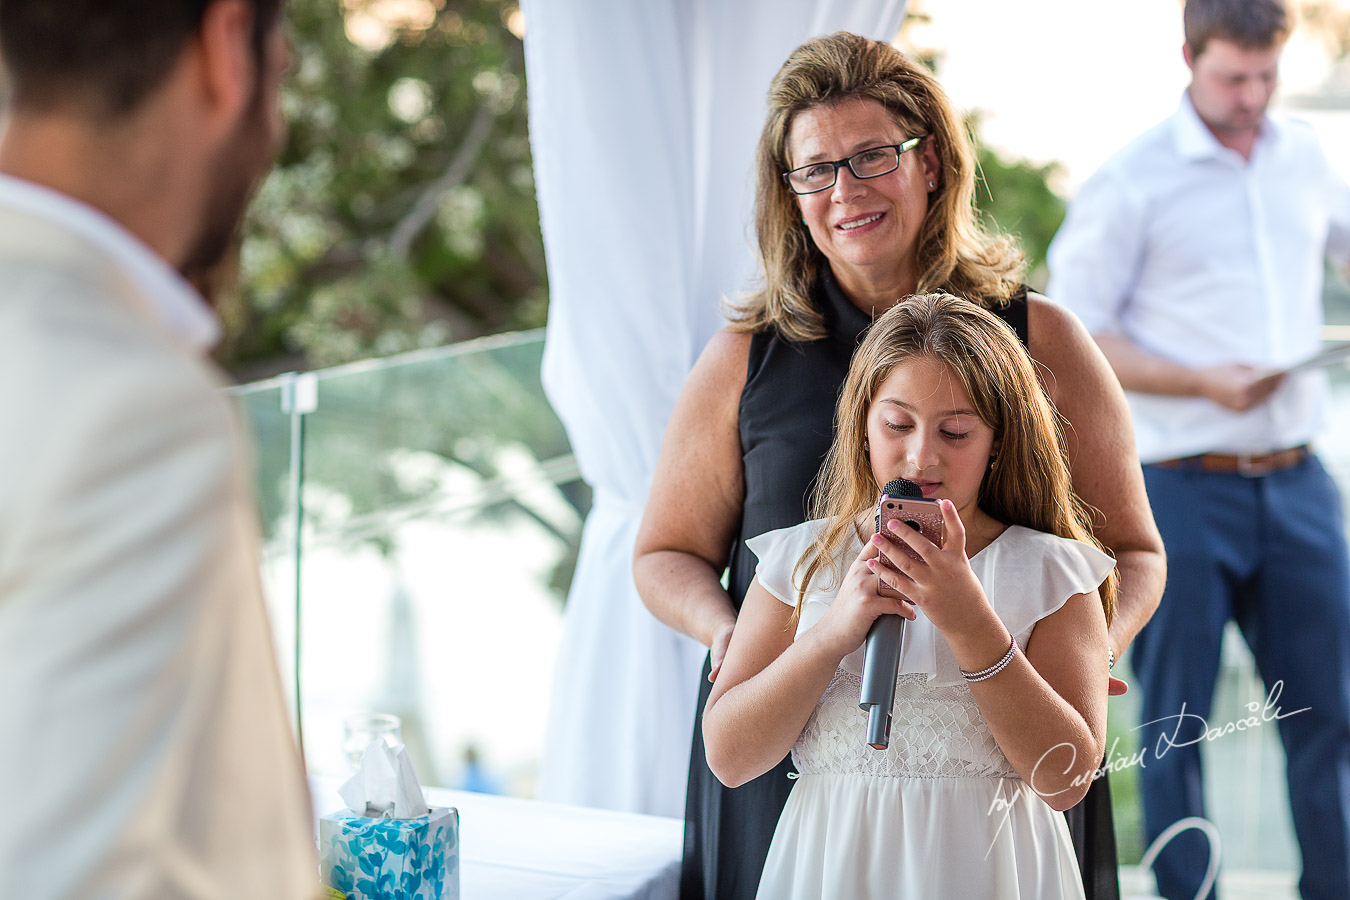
386	786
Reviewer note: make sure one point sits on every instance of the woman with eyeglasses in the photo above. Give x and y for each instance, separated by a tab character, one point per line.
865	195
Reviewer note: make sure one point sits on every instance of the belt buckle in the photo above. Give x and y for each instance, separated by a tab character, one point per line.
1248	469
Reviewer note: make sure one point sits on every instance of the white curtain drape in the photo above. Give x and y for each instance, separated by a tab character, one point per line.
643	123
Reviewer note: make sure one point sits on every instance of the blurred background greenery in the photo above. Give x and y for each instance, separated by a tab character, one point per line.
401	213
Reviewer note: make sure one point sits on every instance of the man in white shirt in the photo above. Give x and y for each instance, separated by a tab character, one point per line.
147	750
1195	257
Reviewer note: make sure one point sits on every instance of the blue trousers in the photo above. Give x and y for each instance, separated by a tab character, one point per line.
1268	552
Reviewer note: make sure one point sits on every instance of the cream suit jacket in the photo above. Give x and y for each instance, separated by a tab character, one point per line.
145	746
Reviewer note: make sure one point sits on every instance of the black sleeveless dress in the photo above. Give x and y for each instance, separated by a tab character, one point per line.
786	425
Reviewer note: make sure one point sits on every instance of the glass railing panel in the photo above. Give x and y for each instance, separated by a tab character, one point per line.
269	425
442	510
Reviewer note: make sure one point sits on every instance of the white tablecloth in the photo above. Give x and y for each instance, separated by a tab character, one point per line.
514	849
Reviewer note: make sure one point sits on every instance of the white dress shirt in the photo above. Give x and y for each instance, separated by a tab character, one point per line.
147	752
1201	257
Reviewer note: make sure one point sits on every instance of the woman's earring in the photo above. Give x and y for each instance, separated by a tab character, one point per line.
932	185
866	449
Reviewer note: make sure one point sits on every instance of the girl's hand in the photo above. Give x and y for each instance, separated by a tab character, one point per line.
858	603
941	583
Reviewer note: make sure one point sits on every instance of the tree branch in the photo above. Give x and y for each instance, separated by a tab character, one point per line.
422	212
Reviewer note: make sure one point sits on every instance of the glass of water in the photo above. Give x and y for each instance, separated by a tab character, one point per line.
359	730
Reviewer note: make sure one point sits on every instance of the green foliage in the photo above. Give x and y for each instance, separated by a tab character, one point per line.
1015	196
401	213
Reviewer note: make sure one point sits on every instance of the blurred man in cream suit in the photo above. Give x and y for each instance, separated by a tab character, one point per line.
145	748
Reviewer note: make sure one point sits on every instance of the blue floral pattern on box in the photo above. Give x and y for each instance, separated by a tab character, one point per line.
391	859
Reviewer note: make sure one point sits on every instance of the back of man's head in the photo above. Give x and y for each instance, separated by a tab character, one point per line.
1251	24
101	57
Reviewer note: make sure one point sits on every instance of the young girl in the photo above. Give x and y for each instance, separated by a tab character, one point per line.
1000	707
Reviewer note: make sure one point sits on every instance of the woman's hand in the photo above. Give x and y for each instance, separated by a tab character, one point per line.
718	651
941	582
858	603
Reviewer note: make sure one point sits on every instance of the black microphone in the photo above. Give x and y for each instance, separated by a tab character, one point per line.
881	650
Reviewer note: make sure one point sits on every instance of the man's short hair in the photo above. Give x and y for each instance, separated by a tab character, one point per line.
1251	24
104	56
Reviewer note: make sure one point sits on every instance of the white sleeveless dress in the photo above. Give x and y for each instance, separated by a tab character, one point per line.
940	813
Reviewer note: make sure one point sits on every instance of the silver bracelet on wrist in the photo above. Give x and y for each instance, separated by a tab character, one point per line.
995	668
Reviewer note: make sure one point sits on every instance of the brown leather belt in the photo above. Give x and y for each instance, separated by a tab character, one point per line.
1252	465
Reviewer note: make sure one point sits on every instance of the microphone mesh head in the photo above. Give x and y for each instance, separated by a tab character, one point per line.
902	487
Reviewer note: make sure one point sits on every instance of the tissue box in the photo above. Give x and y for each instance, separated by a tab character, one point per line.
391	859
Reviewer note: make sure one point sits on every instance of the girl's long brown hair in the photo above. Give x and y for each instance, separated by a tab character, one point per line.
1029	485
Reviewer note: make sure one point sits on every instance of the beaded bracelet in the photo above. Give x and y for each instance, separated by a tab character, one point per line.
995	668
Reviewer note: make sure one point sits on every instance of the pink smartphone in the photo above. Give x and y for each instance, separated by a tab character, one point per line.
924	516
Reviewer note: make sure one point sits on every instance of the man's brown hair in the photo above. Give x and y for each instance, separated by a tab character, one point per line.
1251	24
103	56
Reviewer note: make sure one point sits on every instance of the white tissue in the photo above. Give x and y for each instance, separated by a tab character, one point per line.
385	786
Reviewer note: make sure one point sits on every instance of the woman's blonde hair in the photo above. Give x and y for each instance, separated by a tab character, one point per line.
954	252
1029	485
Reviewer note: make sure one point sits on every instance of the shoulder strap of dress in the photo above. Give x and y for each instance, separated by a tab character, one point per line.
1014	312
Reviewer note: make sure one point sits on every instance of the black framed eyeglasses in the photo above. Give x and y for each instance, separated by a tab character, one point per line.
870	163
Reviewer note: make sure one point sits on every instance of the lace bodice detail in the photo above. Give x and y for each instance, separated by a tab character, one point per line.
936	732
